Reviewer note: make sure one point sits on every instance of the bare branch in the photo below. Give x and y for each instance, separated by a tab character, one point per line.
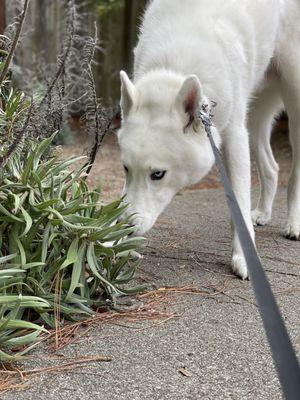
18	138
96	115
65	55
20	23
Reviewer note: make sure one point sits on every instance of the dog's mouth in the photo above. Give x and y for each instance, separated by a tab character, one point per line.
139	225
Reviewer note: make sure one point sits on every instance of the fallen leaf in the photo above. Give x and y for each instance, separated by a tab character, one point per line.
184	372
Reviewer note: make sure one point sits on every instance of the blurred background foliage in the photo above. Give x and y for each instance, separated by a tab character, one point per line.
117	26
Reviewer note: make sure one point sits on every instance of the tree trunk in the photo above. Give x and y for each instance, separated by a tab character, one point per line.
2	16
128	32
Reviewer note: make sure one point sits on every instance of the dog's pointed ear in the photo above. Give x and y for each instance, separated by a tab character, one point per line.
127	94
189	99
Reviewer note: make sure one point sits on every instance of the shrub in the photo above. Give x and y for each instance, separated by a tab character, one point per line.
63	253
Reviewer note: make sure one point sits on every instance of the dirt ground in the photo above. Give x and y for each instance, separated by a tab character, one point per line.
108	170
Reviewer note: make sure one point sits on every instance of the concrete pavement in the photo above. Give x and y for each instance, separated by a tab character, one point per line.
216	349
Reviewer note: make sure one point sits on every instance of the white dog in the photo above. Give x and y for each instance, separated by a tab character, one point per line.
243	54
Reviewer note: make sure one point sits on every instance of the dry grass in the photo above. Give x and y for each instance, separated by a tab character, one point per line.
154	307
14	378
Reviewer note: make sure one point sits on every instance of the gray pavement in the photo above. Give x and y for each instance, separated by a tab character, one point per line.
217	339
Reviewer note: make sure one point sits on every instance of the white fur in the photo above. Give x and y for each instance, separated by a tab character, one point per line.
243	54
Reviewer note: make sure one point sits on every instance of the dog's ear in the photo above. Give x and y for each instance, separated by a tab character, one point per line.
189	99
127	94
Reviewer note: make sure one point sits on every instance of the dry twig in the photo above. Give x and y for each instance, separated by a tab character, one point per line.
18	379
20	23
63	58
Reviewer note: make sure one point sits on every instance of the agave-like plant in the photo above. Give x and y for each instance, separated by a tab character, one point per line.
63	253
61	250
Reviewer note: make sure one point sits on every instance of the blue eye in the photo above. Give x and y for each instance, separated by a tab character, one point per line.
157	175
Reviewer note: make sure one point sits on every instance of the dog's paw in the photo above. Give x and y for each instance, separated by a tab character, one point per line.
239	267
292	230
260	218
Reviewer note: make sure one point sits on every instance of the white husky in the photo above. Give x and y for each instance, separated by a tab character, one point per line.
243	54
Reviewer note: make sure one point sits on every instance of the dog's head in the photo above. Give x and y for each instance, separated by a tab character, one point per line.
164	147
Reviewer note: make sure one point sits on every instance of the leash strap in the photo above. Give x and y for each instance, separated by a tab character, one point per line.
284	356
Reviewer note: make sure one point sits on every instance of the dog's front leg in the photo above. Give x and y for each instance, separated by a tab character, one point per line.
237	158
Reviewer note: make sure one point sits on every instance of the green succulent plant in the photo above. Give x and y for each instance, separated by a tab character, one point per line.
63	254
60	248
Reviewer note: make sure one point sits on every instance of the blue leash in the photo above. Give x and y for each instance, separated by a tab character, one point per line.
284	355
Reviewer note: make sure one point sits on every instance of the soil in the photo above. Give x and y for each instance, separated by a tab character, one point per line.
108	170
